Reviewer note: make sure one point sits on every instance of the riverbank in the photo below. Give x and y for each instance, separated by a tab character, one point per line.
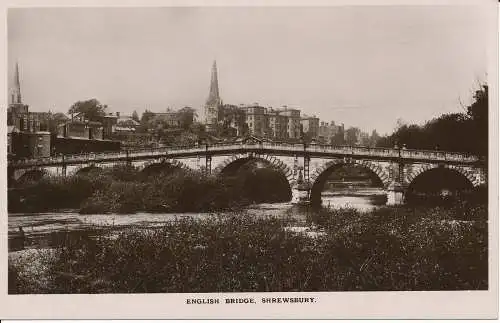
393	248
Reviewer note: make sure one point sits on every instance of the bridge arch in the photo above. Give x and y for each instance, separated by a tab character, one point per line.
272	161
162	163
473	179
87	169
327	166
319	176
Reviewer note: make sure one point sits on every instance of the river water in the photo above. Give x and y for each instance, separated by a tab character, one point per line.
42	229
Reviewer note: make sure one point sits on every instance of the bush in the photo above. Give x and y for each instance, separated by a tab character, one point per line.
387	249
123	189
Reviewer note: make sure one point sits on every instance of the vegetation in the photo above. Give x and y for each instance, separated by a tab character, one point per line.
464	132
387	249
135	116
92	109
123	189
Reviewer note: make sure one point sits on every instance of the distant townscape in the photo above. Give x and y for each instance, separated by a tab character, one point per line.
90	127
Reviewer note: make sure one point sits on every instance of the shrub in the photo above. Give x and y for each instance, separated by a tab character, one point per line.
387	249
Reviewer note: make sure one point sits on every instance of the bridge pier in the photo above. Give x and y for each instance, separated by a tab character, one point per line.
395	194
301	194
301	190
208	164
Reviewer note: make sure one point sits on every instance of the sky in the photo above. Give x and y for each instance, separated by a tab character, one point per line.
364	66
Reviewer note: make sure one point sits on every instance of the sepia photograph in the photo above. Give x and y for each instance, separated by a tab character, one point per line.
201	150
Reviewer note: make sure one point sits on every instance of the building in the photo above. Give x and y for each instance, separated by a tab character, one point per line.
109	122
233	121
76	145
256	120
28	144
277	124
80	127
213	103
39	144
327	132
182	118
122	123
29	136
24	136
310	126
293	125
12	133
170	119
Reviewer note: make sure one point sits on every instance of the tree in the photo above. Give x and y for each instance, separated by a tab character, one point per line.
146	117
374	138
186	116
198	129
460	132
135	116
338	137
352	134
478	114
55	120
364	139
92	109
145	121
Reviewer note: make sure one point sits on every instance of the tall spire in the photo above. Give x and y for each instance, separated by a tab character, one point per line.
213	96
16	92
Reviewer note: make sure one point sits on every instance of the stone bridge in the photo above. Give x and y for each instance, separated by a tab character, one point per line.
306	167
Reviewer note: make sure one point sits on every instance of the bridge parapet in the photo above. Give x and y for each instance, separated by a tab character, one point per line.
269	148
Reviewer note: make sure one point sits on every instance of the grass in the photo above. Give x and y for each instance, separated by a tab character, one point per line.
386	249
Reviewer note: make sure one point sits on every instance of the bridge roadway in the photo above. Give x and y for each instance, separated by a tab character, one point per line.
306	167
389	154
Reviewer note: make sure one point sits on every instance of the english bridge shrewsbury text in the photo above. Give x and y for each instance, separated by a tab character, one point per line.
251	300
305	166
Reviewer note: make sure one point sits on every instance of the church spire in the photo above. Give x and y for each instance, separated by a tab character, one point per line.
213	96
16	92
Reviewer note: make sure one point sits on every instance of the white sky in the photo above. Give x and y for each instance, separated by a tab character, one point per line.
362	66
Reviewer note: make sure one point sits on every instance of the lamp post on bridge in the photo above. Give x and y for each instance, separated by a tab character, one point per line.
208	161
63	166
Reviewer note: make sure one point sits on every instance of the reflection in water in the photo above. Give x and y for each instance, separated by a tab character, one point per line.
364	199
52	229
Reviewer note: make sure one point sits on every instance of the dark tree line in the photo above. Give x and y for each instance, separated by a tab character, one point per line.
460	132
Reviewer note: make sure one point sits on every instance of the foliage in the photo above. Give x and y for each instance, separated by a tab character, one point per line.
463	132
124	189
352	134
135	116
92	109
29	271
146	117
54	120
478	114
187	115
387	249
127	123
52	193
338	138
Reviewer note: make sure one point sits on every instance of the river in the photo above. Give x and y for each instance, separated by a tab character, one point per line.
45	229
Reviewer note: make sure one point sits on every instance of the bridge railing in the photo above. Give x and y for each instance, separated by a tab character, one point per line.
200	149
